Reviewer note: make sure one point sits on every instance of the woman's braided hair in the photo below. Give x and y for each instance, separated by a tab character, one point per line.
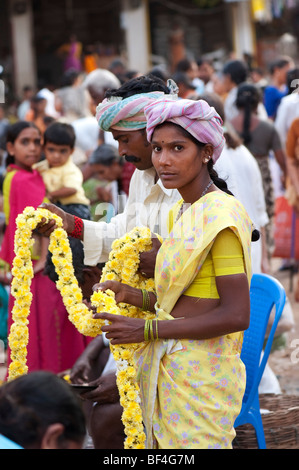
248	99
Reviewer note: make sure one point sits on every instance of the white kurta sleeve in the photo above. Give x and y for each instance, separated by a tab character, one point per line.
98	238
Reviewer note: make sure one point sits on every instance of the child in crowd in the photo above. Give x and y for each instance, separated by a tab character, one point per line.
106	163
62	177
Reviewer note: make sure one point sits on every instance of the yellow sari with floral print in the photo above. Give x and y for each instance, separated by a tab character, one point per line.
192	390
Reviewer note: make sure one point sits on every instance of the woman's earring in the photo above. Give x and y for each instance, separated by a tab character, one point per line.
206	160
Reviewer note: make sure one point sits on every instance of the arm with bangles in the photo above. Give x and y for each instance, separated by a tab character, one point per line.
124	293
207	318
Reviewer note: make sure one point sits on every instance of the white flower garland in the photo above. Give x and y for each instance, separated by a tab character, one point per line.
122	266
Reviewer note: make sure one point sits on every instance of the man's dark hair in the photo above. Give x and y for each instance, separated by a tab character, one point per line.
278	64
135	86
105	154
60	133
69	78
183	65
237	70
76	247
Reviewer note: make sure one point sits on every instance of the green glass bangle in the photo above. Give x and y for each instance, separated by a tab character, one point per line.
151	330
156	321
149	333
146	330
146	301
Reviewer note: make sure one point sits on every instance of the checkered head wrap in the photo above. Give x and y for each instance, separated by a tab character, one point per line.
196	117
128	113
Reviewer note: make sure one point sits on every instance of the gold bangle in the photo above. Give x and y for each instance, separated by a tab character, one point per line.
143	298
156	320
146	301
151	330
146	330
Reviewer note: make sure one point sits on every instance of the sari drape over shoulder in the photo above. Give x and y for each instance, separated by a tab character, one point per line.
192	390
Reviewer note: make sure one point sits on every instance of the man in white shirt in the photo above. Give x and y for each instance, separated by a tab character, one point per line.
148	201
88	134
148	205
234	73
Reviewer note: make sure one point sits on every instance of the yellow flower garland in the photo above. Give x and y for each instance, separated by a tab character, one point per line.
122	266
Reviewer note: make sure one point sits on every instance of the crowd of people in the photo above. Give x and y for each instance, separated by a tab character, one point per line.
180	152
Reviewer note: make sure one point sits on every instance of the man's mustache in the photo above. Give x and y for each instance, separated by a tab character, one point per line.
132	159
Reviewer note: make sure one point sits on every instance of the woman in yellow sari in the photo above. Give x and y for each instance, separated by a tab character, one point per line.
190	374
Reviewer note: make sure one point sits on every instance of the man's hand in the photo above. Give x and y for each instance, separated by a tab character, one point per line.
106	391
82	368
121	329
47	228
80	371
117	287
148	259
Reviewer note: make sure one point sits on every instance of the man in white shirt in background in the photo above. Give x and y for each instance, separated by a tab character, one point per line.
288	109
88	134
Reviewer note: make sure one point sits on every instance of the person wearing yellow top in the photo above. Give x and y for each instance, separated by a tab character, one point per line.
189	370
224	258
62	177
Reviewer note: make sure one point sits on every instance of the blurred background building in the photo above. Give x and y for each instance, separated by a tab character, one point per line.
34	34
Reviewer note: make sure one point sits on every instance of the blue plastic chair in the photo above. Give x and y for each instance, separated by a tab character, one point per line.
265	293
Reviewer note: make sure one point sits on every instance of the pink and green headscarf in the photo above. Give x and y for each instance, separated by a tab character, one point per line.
128	113
196	117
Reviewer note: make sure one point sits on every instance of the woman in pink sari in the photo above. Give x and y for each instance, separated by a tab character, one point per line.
71	52
54	343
